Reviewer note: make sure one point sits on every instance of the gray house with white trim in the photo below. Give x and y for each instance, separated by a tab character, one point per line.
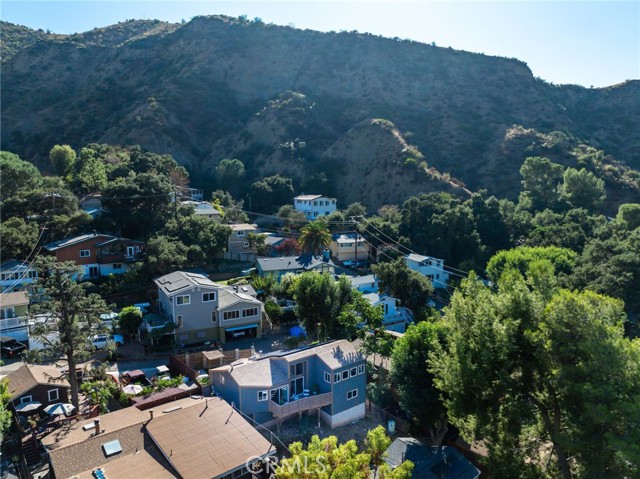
202	310
327	380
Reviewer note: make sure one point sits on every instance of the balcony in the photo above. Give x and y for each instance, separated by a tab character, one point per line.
299	405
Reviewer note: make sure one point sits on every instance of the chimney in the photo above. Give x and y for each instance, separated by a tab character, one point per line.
150	414
96	423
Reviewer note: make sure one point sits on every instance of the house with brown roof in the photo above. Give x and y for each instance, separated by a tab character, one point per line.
37	384
98	254
193	437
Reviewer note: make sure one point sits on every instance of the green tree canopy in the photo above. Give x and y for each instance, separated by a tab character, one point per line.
319	301
18	177
269	194
229	175
530	364
414	382
315	237
540	183
129	320
19	238
326	459
410	287
521	258
62	159
582	189
71	317
629	215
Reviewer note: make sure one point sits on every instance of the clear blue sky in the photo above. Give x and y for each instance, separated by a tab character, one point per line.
582	42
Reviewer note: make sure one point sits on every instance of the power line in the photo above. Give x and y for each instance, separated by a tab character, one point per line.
17	281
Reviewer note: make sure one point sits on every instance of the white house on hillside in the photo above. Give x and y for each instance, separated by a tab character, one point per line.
314	206
432	268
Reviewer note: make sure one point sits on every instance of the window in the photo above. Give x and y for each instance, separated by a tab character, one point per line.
117	266
93	271
53	394
207	297
246	244
230	315
221	378
327	377
186	299
179	322
361	369
337	378
353	372
6	313
25	399
249	312
213	317
85	253
345	375
263	395
352	394
240	234
33	274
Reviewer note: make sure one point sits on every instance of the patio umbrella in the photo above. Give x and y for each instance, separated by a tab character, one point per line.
28	406
132	389
59	408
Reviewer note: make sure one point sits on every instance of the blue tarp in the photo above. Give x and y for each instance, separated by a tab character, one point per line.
296	332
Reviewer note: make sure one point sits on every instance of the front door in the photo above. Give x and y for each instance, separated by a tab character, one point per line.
131	250
93	271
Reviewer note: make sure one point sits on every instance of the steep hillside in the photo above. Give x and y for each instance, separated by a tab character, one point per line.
212	89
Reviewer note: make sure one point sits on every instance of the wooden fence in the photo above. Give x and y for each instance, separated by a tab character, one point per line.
373	410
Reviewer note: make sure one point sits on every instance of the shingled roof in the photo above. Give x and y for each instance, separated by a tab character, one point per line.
28	376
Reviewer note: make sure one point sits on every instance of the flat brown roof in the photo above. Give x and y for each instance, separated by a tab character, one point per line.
210	439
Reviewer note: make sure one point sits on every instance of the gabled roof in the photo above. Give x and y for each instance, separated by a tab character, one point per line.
181	280
17	298
12	264
28	376
228	297
273	368
419	258
66	242
273	240
360	280
430	462
292	263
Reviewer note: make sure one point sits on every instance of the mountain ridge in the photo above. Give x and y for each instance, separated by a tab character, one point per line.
186	89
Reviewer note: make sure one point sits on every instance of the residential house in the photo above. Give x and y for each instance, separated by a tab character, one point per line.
37	384
349	247
190	438
98	254
195	194
365	284
430	462
204	208
272	243
13	315
395	318
314	206
432	268
327	380
92	205
239	247
293	264
16	275
203	311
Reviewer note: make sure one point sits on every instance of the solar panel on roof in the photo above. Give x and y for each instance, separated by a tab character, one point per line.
112	447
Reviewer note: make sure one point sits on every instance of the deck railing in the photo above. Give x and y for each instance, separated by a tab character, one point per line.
300	405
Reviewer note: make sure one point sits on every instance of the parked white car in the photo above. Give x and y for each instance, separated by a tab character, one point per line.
100	341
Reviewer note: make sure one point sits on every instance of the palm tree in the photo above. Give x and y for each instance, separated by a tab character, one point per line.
315	237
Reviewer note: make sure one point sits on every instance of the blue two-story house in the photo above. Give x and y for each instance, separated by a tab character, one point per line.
327	380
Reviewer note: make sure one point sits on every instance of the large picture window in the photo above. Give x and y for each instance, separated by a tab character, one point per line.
227	315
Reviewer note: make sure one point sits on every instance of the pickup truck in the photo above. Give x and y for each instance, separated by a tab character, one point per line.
11	347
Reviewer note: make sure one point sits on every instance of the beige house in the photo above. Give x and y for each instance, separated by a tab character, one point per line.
238	247
348	247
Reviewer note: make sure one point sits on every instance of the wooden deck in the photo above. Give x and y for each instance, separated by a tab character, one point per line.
300	405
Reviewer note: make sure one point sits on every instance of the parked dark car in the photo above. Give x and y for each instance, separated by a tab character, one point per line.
11	347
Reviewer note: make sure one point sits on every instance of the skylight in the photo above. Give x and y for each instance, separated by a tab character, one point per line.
112	447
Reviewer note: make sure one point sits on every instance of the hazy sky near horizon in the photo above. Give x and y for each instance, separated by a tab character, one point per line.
590	43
